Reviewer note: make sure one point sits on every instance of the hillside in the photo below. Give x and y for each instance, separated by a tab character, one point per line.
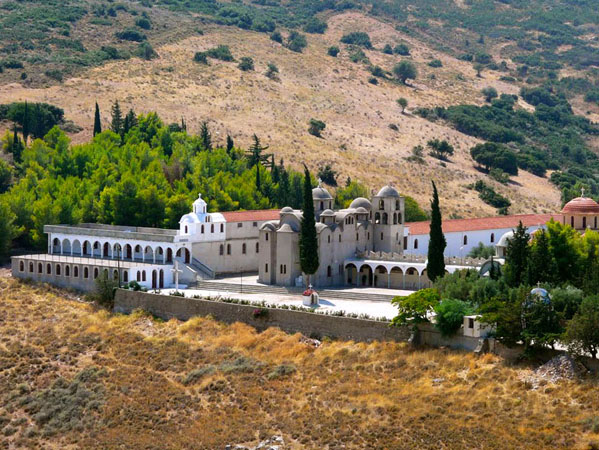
72	376
358	140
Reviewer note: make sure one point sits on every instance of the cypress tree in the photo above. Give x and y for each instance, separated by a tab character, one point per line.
17	148
132	119
230	144
308	241
516	258
435	267
205	137
97	121
541	267
117	118
26	123
38	122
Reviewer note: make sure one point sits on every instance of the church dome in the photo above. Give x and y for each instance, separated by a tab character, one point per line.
581	205
327	213
287	209
388	191
503	241
361	202
361	210
320	193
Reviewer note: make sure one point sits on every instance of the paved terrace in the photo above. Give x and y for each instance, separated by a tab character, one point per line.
114	231
88	261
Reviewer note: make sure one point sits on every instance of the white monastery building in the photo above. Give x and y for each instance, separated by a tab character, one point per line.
367	244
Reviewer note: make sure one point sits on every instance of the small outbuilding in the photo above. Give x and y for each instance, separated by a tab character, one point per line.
473	327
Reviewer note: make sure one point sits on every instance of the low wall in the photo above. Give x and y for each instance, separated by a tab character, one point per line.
309	324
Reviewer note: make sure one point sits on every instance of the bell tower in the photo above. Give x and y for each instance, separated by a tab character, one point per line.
388	209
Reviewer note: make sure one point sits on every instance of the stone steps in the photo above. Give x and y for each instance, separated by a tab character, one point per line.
267	289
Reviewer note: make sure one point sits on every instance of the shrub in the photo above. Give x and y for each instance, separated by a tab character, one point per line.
221	52
499	175
315	25
241	364
197	374
55	74
316	127
296	42
328	175
405	70
11	64
373	80
143	23
246	64
282	370
415	307
403	103
272	71
201	57
131	35
357	38
146	51
387	49
440	149
277	37
436	63
582	334
105	290
490	93
359	56
450	315
377	71
333	51
488	195
482	251
402	49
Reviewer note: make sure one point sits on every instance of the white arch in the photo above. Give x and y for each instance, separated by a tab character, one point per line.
65	247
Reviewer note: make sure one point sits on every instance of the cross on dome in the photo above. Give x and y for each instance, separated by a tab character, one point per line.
582	192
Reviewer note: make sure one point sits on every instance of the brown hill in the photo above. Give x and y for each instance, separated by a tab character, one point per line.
357	140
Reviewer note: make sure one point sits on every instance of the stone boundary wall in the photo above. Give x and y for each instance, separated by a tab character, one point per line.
309	324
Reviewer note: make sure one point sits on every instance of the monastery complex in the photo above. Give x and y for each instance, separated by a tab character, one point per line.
367	244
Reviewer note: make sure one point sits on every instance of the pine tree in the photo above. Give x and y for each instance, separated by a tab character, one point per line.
205	137
97	121
230	144
17	146
435	267
117	118
26	123
308	240
132	118
257	158
516	258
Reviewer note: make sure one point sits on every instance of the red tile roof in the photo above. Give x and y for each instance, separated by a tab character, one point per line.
581	205
258	215
484	223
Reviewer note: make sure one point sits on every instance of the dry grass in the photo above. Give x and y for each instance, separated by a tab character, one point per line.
357	140
142	383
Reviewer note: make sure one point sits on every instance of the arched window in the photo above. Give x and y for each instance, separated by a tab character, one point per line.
584	222
85	273
329	272
396	204
143	276
115	275
228	249
125	276
381	204
415	244
321	205
257	247
31	267
58	269
243	248
186	230
67	271
385	218
48	269
202	229
76	272
138	277
212	228
465	240
222	228
377	218
266	236
40	268
394	218
221	250
329	239
492	237
572	221
21	266
96	273
595	222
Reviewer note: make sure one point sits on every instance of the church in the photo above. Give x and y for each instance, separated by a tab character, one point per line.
367	244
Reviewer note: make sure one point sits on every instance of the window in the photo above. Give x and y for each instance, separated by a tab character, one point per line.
357	236
85	273
470	322
415	243
339	237
329	272
584	222
221	250
222	228
143	276
321	205
492	237
257	247
572	221
67	271
186	230
595	223
21	266
394	218
405	242
382	237
212	228
396	204
58	269
243	248
49	269
202	229
138	276
255	224
228	249
125	276
369	235
266	237
377	218
266	267
465	240
40	268
239	225
381	204
329	239
31	267
385	218
96	272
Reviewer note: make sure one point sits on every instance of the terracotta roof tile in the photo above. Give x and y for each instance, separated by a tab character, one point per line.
484	223
258	215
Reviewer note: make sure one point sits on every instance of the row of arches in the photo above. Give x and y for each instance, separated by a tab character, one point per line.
85	272
384	218
397	277
126	252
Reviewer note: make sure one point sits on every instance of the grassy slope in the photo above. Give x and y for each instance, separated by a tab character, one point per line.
357	139
121	385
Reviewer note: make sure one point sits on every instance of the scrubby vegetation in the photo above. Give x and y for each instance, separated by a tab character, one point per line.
111	381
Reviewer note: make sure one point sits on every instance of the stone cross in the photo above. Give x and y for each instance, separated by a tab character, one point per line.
582	192
176	271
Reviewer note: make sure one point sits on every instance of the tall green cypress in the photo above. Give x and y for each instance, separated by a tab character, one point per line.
17	147
38	122
435	267
26	123
97	121
308	241
117	118
230	144
516	257
205	137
